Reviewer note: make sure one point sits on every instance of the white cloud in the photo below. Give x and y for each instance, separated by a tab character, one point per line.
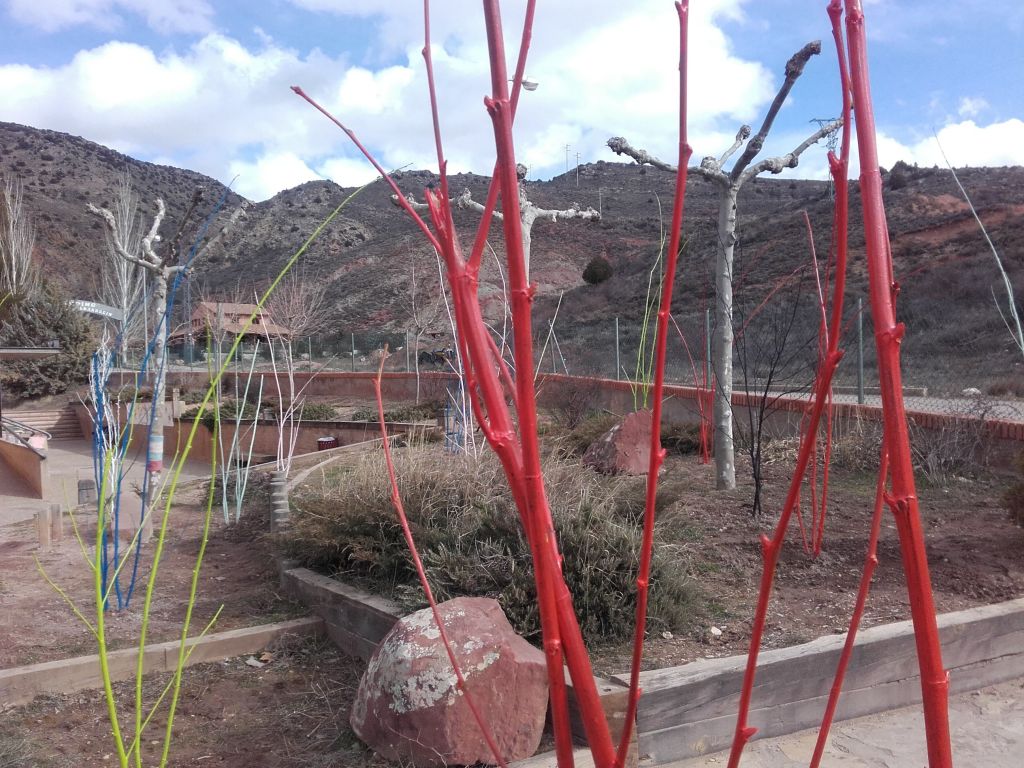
965	143
972	106
161	15
222	108
270	173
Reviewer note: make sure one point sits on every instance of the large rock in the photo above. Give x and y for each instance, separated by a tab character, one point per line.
409	709
625	448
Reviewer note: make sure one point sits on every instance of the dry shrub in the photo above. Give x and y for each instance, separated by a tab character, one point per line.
1006	386
468	533
680	439
1013	498
857	445
572	401
587	432
960	447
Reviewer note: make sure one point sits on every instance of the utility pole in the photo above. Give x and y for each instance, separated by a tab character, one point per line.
577	169
566	158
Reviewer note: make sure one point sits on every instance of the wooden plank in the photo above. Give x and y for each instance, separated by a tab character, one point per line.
22	684
357	620
885	653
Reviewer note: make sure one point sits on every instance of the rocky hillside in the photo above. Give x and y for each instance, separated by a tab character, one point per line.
368	254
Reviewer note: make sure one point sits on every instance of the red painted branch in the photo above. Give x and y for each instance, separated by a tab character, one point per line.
888	336
657	453
396	500
870	562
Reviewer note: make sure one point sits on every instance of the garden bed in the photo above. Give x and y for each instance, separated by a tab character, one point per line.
238	572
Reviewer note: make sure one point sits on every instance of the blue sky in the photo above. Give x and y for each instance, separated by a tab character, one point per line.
204	84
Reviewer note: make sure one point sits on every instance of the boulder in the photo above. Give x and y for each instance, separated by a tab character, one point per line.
408	707
625	448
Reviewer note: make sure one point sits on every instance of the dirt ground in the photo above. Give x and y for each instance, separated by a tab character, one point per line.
37	625
291	713
976	556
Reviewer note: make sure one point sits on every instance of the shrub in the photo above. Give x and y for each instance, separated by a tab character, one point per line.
582	436
598	270
1013	498
471	541
900	175
402	413
319	412
680	439
572	401
35	321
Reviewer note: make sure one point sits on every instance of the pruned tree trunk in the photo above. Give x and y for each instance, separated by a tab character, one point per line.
722	341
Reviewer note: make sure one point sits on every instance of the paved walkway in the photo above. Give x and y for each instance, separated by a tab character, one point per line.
69	461
987	729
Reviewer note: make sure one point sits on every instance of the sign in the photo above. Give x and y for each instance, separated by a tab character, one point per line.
95	308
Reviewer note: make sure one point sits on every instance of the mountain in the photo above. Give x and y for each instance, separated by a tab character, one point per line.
368	253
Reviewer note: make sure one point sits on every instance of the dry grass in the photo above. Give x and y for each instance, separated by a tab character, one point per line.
468	533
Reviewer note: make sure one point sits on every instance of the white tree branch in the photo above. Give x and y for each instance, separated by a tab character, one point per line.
790	160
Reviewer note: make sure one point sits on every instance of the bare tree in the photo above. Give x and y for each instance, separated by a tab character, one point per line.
729	183
299	304
776	359
425	302
162	269
18	275
528	212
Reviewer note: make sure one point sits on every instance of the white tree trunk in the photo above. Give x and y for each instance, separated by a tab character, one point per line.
158	363
725	454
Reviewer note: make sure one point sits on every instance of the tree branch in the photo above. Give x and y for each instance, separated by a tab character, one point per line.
792	159
239	214
620	146
794	68
708	168
741	135
116	236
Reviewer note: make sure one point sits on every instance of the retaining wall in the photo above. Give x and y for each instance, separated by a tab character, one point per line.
681	402
691	710
27	465
264	443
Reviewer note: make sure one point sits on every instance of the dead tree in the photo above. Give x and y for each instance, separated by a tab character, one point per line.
162	269
528	212
729	183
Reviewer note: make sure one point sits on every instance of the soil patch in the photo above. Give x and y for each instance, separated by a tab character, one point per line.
289	713
238	572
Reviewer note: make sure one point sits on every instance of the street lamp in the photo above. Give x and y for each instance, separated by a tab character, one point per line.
528	85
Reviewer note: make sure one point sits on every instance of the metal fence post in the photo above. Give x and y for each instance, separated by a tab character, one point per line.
707	348
860	351
617	367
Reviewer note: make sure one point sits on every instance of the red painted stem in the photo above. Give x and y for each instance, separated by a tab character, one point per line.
888	336
657	452
396	500
870	562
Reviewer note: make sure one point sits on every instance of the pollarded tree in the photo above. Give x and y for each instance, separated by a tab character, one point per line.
528	212
729	183
161	268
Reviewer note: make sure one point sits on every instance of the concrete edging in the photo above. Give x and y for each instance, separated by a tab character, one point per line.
19	685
